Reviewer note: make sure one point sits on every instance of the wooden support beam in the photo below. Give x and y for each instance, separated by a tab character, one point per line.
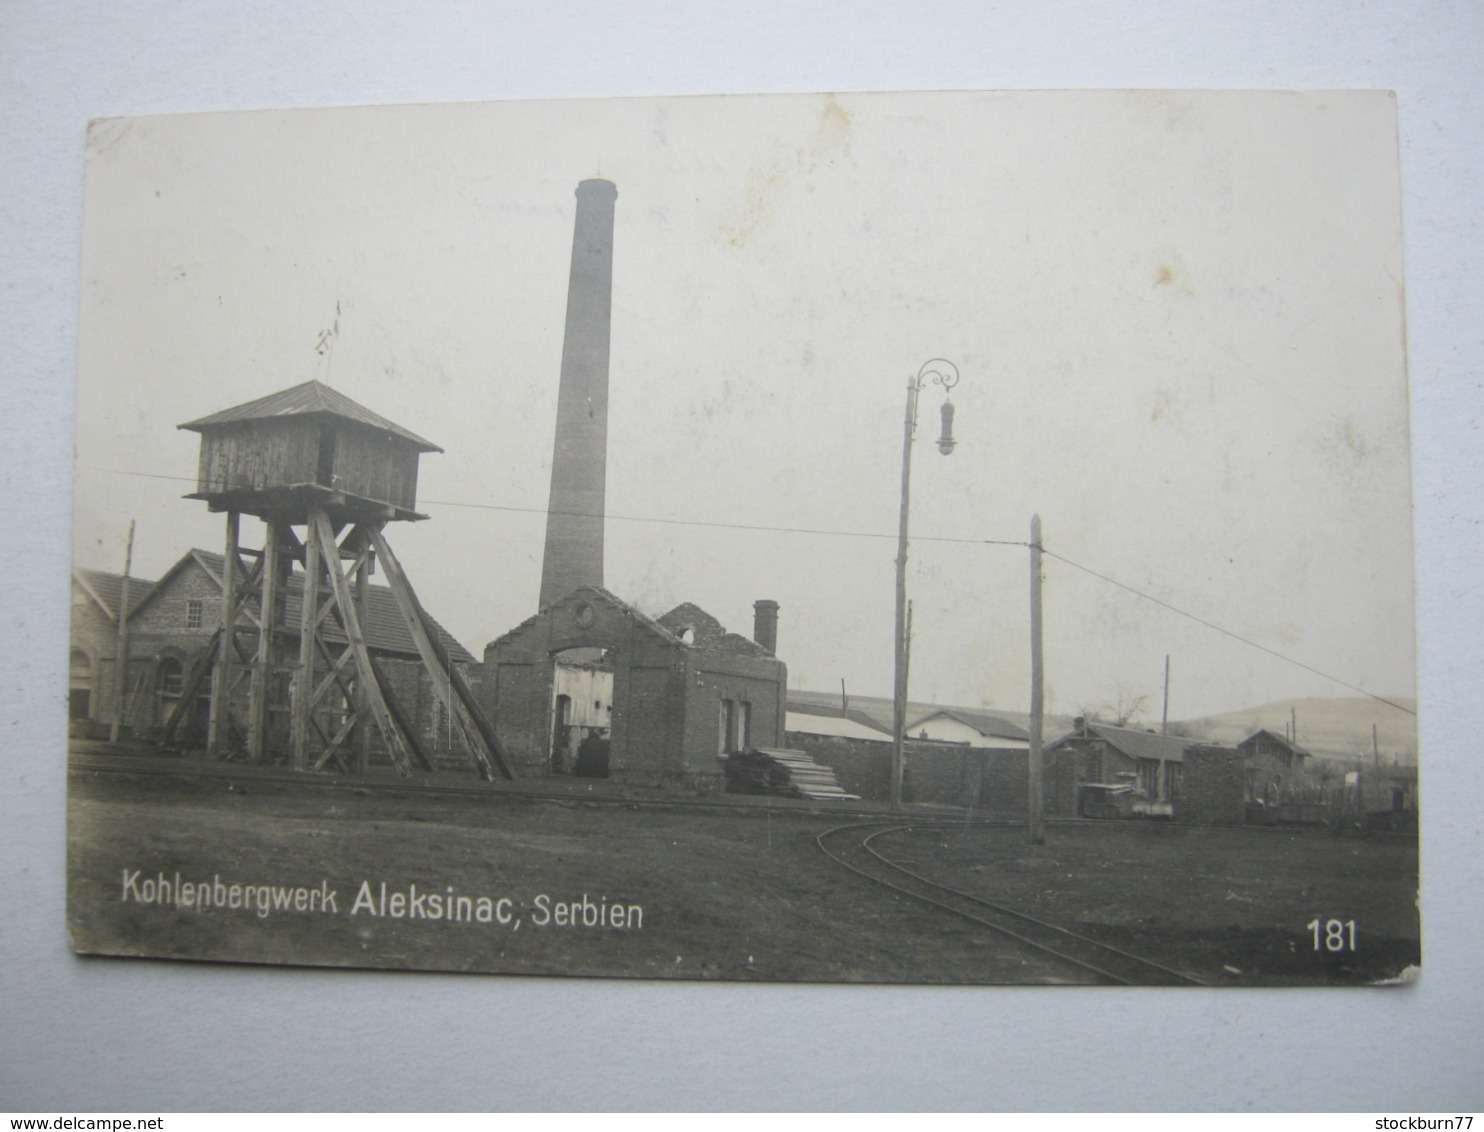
218	733
404	721
290	548
362	738
455	692
336	676
334	744
271	622
369	690
304	674
192	689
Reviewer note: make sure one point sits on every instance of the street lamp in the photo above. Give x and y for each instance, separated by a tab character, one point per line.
940	371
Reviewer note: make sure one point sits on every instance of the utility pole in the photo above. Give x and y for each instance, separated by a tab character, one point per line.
1376	750
899	691
1164	718
942	372
1033	794
121	664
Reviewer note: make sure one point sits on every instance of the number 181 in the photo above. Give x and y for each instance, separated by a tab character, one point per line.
1337	935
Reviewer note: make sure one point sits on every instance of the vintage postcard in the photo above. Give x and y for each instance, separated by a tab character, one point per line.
927	538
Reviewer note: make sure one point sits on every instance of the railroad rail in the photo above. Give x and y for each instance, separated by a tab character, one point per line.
851	845
525	790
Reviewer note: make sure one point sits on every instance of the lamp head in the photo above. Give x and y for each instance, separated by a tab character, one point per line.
946	443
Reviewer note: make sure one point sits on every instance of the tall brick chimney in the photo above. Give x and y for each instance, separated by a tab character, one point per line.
579	459
765	624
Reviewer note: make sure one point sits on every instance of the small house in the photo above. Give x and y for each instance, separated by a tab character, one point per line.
1273	759
1138	771
976	729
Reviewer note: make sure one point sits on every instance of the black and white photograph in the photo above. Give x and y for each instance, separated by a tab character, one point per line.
913	538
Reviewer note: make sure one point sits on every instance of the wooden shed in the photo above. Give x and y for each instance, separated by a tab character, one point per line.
308	446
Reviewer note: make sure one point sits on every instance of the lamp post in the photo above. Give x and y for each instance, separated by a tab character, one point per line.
938	371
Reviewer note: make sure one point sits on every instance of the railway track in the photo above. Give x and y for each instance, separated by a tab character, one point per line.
432	787
852	846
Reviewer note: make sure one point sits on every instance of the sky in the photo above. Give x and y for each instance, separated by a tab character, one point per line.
1177	320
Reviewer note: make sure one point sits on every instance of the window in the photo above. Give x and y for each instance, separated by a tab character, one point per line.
194	609
172	677
744	726
728	726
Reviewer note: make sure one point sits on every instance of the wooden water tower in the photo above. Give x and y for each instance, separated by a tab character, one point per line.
310	459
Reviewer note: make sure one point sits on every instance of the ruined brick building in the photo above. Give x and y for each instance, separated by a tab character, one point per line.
590	685
676	693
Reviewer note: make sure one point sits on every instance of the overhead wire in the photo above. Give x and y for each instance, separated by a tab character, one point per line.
1224	631
822	531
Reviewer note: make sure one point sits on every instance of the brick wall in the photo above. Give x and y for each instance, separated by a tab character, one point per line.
1005	791
942	775
667	696
991	781
157	631
1213	786
649	722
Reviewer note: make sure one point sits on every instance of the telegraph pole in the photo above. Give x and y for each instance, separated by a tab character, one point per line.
1033	793
899	691
1164	719
121	665
944	373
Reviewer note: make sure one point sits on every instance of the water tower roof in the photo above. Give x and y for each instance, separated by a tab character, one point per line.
310	399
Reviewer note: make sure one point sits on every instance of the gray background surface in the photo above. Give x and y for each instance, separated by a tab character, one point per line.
131	1035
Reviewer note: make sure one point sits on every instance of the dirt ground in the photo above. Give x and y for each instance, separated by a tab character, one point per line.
1228	905
738	893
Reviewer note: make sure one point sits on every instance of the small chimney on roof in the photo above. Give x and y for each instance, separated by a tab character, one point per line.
765	624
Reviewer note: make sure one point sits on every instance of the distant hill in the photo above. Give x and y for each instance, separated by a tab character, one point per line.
1330	728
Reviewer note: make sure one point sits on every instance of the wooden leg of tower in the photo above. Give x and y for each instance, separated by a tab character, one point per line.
219	727
261	687
448	685
362	732
304	674
368	691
